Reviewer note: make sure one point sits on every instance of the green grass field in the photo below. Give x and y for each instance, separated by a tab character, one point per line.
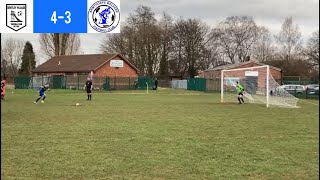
166	134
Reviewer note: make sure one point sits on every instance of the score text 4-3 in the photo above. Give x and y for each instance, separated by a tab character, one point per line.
66	17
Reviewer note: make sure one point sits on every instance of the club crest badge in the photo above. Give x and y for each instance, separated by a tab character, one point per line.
104	16
16	16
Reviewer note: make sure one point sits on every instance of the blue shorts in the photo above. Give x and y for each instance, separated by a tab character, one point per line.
41	94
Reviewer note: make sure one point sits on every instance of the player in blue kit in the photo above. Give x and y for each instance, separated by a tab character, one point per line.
42	95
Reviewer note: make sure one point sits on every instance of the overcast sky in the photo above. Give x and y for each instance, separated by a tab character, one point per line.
269	13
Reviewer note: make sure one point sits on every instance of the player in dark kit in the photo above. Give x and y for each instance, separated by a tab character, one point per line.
42	95
88	88
156	84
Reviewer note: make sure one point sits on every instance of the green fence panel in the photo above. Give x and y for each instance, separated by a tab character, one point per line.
22	82
142	83
106	85
59	82
191	84
197	84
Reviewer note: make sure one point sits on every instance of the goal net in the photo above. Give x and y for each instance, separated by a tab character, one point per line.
36	82
259	87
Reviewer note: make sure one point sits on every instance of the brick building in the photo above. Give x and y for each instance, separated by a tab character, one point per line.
100	65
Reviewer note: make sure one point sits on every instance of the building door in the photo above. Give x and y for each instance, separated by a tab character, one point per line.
251	84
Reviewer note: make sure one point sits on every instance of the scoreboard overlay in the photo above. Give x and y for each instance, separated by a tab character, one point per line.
60	16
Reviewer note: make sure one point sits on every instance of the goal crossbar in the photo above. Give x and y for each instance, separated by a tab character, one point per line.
248	68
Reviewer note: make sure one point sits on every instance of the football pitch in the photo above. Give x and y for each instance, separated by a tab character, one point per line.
165	134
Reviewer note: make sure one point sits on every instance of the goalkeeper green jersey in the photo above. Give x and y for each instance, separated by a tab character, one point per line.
239	88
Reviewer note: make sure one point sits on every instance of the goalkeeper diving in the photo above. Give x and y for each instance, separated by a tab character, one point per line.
240	91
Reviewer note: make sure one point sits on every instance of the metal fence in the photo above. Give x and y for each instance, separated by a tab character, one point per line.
301	82
307	94
197	84
130	83
179	84
78	82
213	85
36	82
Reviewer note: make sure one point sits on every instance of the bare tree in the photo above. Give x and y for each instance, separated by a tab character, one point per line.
113	43
189	42
236	35
213	54
263	50
218	57
4	65
73	45
148	34
289	40
177	65
139	40
166	37
312	49
124	43
56	44
11	53
222	39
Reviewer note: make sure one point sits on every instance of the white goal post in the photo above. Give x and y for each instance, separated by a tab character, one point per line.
260	87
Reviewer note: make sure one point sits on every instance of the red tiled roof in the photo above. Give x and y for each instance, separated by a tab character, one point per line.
77	63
